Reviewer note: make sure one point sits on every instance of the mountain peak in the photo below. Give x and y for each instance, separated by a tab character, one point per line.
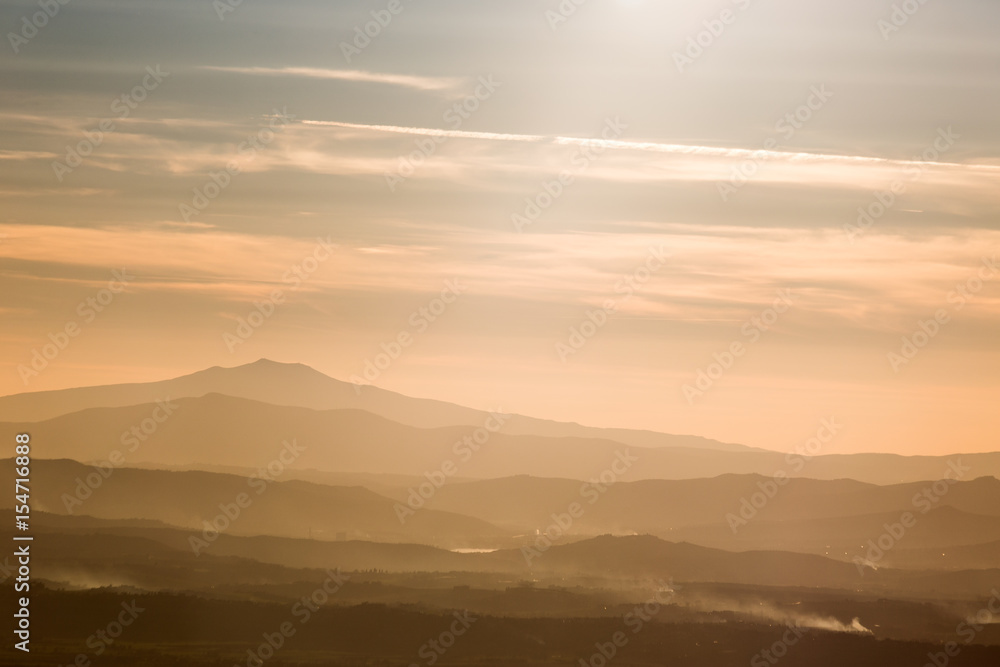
265	365
265	362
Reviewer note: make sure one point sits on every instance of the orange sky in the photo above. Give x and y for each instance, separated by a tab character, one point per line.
364	186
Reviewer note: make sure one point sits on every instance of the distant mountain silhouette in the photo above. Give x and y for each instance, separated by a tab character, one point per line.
298	385
809	516
289	509
654	506
222	430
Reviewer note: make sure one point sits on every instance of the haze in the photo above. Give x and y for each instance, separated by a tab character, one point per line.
881	103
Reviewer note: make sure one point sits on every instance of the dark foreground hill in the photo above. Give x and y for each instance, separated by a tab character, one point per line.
93	552
184	630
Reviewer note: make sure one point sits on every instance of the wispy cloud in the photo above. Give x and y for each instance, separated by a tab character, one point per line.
431	132
675	149
406	80
712	274
54	192
25	155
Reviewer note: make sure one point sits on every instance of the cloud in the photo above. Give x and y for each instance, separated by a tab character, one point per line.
676	149
55	192
406	80
717	274
431	132
25	155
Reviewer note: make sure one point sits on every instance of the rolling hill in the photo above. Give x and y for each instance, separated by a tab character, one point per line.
221	430
242	506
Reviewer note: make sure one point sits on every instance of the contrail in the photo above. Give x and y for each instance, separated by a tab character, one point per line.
675	149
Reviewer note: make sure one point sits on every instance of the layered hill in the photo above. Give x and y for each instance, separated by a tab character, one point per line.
656	505
835	519
235	505
85	551
222	430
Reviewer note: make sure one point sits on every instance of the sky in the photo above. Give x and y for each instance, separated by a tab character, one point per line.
732	219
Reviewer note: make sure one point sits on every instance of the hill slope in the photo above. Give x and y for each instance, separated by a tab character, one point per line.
297	385
221	430
240	506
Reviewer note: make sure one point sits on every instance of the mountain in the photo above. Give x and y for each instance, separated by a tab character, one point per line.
826	517
930	543
297	385
240	506
835	519
159	556
657	505
284	551
221	430
973	557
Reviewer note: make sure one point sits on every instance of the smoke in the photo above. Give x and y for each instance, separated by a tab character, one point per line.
71	578
830	624
766	610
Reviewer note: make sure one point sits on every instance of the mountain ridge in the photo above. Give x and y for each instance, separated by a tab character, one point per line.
299	385
222	430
